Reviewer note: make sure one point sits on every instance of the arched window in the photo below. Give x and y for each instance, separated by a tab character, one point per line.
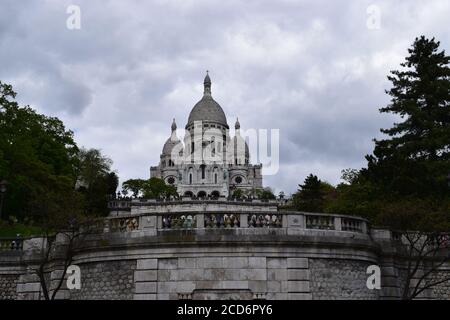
203	171
190	178
201	194
215	194
215	177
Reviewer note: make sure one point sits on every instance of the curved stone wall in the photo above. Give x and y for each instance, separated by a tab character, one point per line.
287	255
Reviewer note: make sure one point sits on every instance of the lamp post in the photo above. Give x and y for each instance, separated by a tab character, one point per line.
3	184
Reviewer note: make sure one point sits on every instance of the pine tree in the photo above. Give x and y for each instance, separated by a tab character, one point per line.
415	159
309	196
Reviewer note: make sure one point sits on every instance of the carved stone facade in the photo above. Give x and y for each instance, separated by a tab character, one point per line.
208	163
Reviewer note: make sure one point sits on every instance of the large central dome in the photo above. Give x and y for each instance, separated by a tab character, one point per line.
207	109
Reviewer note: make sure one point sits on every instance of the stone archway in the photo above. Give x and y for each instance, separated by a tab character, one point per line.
201	194
215	194
189	194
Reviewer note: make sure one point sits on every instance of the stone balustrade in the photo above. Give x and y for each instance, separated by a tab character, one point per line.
242	219
124	224
11	244
222	220
179	221
267	220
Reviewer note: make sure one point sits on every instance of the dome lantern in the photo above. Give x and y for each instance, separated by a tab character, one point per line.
207	109
237	125
174	125
207	84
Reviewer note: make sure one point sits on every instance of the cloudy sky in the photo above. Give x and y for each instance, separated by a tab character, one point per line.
316	70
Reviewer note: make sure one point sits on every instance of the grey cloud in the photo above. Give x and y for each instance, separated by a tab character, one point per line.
310	68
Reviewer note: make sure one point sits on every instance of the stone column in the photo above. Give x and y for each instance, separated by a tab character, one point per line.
200	220
243	219
338	223
159	222
364	227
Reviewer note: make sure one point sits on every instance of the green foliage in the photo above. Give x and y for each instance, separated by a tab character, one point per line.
349	175
415	159
37	154
259	193
354	199
152	188
404	186
96	181
135	186
267	194
8	229
310	196
42	165
157	188
237	194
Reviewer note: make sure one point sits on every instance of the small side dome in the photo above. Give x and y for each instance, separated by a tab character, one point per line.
172	141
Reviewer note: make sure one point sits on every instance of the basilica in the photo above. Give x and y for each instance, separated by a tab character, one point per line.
208	162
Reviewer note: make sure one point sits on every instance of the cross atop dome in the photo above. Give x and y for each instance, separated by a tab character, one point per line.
174	125
207	84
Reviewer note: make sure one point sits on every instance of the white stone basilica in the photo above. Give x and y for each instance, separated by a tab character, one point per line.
208	163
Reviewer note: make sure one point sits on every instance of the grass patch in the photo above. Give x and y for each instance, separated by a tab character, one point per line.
11	230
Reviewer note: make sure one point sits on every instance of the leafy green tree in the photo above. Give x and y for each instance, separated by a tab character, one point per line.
157	188
135	186
152	188
96	180
267	194
349	175
415	159
238	194
37	154
112	183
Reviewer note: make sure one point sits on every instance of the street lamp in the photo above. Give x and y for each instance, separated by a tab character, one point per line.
3	184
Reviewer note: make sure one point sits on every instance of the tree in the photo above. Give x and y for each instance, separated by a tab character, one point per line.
64	226
135	186
426	253
349	175
112	183
238	193
267	194
96	180
35	152
415	159
157	188
150	189
309	196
